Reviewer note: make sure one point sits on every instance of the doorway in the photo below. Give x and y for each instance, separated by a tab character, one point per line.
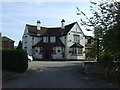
47	53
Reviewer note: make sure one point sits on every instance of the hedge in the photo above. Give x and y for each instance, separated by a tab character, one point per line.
14	60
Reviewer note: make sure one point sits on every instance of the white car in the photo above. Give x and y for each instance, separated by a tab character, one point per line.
30	58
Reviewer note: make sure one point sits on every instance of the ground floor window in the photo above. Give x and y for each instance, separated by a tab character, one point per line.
79	50
76	51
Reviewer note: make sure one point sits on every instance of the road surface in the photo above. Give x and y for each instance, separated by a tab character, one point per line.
56	74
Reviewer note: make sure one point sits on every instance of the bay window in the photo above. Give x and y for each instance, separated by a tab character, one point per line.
76	51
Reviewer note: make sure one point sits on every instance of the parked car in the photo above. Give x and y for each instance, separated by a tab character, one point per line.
30	58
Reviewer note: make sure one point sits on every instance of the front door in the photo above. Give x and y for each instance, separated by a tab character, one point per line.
47	53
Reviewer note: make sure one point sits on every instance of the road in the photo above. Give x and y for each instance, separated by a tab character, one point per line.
57	74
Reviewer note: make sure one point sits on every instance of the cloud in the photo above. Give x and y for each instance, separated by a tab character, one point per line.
13	18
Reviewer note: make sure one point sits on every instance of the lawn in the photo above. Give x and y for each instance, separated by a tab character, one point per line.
6	77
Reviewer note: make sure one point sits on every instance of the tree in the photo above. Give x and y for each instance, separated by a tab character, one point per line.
19	45
106	25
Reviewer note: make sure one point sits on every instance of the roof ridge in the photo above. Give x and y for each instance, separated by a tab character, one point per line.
51	27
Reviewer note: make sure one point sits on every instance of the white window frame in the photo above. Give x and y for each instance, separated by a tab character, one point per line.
76	51
52	39
45	39
79	51
76	38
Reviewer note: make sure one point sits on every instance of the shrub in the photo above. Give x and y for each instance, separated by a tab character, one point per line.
14	60
106	57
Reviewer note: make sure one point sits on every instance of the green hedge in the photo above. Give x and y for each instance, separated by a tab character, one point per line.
14	60
106	57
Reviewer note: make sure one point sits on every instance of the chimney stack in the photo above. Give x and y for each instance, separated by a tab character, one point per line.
63	24
38	25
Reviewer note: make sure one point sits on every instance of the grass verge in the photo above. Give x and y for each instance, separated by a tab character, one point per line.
6	76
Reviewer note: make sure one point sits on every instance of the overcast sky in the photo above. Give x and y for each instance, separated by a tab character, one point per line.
15	15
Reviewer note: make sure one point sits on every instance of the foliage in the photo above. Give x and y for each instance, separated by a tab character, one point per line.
14	60
19	45
7	76
106	57
105	22
92	52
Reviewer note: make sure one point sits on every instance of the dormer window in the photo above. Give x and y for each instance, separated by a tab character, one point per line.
45	39
52	39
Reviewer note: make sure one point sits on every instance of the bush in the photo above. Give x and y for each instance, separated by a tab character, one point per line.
106	57
14	60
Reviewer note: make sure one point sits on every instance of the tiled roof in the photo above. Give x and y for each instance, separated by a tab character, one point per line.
57	43
4	38
77	45
49	31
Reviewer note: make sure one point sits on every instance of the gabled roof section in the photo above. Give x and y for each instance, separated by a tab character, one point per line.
57	31
68	28
77	45
4	38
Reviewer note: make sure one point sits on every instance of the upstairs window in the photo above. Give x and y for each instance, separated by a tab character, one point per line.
52	39
45	39
76	38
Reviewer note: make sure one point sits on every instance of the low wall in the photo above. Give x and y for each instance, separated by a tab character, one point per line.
93	68
109	71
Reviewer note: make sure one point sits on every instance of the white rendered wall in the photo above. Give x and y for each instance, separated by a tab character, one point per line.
70	41
58	55
37	55
27	42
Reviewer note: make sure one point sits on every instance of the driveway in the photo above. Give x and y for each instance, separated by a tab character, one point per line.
56	74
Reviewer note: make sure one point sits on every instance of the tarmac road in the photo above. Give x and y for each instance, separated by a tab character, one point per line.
56	74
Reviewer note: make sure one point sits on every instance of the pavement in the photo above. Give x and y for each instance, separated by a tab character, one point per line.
56	74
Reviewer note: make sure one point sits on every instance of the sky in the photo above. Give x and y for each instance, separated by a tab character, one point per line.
15	15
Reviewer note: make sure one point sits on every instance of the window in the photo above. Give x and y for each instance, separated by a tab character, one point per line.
76	51
79	50
45	39
76	38
52	39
